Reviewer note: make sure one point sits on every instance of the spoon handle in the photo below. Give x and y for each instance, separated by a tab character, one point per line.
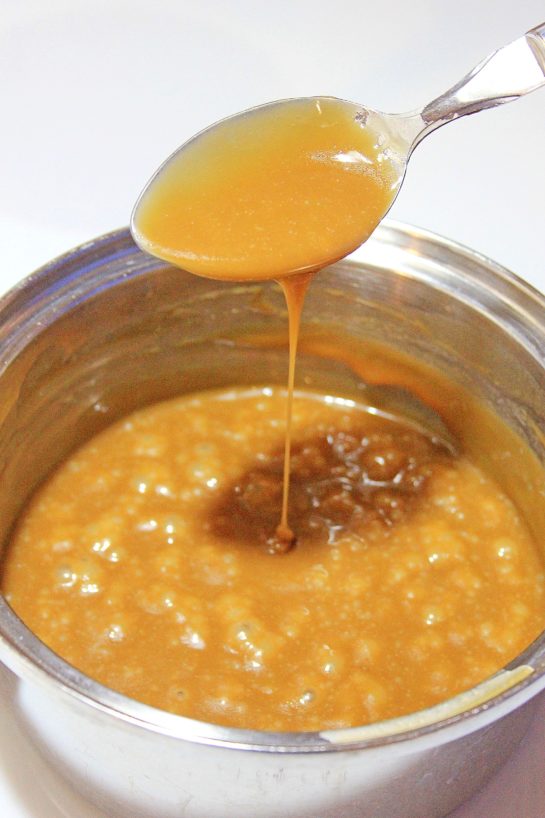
503	76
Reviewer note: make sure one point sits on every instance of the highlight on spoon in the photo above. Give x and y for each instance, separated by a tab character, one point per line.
279	189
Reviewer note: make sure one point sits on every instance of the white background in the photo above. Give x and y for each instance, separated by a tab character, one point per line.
94	95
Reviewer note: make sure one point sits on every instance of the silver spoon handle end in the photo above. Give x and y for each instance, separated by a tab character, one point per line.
505	75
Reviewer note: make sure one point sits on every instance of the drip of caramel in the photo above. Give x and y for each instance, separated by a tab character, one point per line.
276	193
295	288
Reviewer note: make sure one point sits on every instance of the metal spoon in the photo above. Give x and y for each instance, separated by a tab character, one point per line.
504	76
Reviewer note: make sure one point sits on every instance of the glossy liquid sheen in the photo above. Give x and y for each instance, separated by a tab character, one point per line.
144	562
289	187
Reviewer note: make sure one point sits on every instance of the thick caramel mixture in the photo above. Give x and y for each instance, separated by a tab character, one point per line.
413	577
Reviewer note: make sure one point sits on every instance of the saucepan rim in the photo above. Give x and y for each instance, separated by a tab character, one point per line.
27	656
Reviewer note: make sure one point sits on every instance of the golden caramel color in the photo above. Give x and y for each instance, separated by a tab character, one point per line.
288	187
276	192
121	565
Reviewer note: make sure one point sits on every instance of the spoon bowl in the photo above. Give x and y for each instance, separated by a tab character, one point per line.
285	188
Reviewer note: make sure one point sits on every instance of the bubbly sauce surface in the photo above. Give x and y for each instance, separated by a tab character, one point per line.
144	562
288	187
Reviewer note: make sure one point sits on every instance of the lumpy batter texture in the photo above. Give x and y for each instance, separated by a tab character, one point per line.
413	578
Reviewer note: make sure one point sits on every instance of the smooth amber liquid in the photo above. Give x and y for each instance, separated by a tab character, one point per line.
289	187
295	290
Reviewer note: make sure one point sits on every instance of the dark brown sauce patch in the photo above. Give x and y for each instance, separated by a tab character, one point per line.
340	482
